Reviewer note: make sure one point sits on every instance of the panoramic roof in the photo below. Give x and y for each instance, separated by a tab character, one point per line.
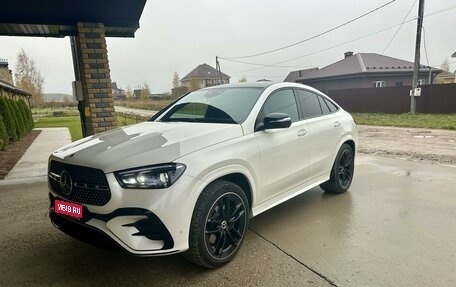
58	18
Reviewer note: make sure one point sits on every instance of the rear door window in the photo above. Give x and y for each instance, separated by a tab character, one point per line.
310	106
331	106
324	107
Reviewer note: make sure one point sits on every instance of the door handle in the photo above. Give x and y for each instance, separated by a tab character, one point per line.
302	132
337	124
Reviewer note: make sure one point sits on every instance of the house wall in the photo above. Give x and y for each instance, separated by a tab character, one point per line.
6	74
362	82
436	99
445	78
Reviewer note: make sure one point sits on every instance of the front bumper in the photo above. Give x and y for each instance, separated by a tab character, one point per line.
141	222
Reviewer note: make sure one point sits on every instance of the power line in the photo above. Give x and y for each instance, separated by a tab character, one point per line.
398	29
425	52
311	38
321	50
338	45
257	64
395	33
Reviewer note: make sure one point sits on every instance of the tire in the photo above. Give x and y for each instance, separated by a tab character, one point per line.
342	171
219	223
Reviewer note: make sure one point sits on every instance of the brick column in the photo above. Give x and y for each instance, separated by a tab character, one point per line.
93	66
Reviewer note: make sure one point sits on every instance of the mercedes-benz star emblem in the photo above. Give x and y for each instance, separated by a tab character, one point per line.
66	183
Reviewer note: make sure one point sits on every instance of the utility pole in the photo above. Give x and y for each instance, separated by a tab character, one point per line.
219	72
416	68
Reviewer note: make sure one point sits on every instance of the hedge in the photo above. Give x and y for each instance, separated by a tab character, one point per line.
16	120
27	114
20	125
8	120
4	138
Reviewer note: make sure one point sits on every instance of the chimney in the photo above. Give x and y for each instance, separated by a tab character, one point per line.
5	73
348	54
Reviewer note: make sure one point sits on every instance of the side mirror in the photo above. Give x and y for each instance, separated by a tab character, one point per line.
276	121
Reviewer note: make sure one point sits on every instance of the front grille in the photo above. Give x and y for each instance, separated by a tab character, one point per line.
89	185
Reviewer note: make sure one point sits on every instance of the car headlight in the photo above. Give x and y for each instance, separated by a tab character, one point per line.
151	177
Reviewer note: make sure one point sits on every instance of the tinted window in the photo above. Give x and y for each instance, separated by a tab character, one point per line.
283	102
324	107
309	104
218	105
331	106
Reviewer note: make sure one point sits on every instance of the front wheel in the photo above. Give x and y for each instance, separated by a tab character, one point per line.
218	225
342	171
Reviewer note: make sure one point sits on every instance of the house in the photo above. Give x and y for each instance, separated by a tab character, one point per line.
117	93
7	87
446	78
362	70
137	93
203	76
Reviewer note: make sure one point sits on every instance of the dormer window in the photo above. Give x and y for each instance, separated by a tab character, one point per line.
379	84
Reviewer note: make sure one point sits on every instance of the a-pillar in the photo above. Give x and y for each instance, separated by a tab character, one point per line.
92	69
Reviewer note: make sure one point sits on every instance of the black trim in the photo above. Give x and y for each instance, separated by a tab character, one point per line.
151	227
89	185
318	95
157	115
84	232
260	117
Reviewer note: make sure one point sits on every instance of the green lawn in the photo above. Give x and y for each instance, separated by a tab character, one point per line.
433	121
72	123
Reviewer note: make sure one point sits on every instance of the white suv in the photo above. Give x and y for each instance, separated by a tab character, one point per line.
190	178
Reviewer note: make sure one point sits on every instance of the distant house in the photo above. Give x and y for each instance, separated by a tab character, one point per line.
137	93
362	70
205	76
445	78
117	93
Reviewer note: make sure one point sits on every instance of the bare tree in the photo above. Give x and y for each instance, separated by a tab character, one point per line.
445	66
66	101
176	80
193	85
29	78
145	91
129	92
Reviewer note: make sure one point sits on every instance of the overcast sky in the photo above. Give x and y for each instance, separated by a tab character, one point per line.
178	35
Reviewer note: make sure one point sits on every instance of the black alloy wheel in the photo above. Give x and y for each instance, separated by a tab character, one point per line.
345	169
219	223
342	171
225	226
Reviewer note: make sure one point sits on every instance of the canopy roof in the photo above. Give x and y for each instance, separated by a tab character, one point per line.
58	18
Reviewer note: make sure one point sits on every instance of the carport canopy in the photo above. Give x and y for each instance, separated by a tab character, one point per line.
59	18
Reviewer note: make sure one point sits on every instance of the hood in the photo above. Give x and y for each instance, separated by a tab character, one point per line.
143	144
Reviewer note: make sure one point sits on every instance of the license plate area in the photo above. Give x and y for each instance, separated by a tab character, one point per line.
74	210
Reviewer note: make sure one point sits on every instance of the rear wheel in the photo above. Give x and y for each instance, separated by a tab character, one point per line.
218	225
342	171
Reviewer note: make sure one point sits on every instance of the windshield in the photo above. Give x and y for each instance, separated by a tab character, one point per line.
217	105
